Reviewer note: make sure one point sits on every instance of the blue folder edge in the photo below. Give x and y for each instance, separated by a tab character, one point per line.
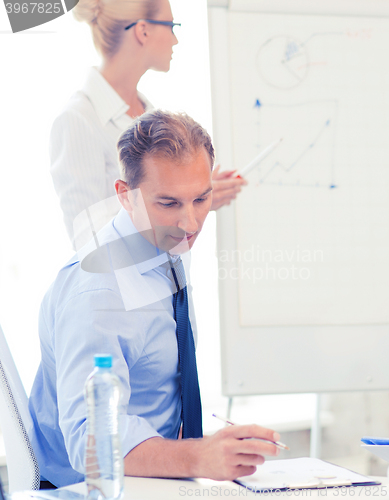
375	440
286	488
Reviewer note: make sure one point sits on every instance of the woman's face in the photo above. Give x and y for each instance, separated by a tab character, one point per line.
162	39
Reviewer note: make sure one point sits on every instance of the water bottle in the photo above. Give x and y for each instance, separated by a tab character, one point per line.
103	456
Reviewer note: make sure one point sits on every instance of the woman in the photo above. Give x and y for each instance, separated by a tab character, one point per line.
132	37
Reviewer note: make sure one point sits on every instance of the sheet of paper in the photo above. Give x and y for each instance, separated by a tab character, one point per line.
381	451
307	472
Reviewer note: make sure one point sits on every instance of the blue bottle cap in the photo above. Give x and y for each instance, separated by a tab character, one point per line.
103	360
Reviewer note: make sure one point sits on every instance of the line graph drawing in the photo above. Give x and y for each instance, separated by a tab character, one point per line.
257	107
307	156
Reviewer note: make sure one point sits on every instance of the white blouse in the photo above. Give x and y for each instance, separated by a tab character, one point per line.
83	155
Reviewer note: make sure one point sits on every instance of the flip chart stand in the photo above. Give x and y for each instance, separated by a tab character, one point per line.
315	442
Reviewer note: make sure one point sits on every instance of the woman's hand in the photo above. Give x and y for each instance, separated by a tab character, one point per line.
225	187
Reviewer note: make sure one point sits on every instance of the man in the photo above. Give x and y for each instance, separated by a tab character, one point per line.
125	293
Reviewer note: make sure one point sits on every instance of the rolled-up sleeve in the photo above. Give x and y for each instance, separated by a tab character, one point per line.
91	322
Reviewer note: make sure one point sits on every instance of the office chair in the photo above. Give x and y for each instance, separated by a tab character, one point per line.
15	421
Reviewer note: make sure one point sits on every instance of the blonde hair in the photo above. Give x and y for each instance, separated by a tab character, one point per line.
108	18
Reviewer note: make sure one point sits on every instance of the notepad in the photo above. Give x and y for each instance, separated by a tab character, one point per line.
302	473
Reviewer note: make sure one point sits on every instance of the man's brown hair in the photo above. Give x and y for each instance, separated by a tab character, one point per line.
160	134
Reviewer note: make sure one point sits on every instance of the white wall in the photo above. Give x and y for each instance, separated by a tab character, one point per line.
41	68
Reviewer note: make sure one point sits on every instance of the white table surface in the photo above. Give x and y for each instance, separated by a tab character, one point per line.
136	488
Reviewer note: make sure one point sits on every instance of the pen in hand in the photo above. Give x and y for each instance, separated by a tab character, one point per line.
254	163
279	445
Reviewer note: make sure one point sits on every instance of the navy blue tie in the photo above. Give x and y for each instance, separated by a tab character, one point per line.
190	391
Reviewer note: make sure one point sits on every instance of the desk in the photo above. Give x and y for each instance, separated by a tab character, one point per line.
139	488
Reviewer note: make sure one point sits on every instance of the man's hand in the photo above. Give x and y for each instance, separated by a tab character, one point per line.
225	187
231	453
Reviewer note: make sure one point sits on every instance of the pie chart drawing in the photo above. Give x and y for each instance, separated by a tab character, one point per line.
283	62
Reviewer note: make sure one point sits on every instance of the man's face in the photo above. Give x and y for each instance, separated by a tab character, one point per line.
177	198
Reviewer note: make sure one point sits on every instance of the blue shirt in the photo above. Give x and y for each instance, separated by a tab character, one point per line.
114	298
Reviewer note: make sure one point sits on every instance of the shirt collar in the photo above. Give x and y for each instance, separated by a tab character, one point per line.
106	101
137	245
118	245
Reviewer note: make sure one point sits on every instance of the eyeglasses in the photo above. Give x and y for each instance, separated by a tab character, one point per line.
153	21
